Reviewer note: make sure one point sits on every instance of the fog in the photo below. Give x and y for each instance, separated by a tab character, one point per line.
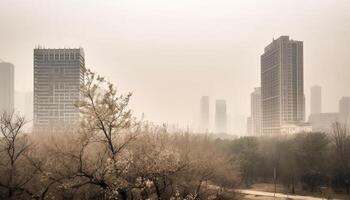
170	53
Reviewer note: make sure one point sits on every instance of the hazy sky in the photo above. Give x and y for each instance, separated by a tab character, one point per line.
171	52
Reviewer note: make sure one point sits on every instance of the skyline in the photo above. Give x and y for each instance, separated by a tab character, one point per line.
133	55
175	99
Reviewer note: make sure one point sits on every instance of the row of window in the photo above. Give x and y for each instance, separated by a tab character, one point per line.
71	56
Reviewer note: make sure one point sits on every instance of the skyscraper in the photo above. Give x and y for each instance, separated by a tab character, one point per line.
58	75
7	87
344	106
316	100
204	114
249	126
220	116
282	85
255	110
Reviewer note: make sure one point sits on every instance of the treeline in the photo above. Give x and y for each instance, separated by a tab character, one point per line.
109	155
308	162
112	155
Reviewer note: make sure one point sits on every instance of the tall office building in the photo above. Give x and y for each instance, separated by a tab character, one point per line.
255	109
7	87
344	106
282	85
204	114
58	75
316	100
249	126
220	116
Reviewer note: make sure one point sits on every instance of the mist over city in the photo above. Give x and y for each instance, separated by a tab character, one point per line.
186	99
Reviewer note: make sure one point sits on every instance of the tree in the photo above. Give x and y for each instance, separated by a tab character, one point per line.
106	126
14	145
341	156
245	154
109	155
288	165
91	158
311	156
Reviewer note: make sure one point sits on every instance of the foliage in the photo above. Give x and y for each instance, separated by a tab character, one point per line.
245	151
308	161
109	155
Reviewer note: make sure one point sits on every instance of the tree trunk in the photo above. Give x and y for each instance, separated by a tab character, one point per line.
123	194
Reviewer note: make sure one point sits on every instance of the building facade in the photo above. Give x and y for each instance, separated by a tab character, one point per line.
220	116
204	114
249	126
290	129
255	109
7	87
322	122
282	85
316	100
344	106
58	75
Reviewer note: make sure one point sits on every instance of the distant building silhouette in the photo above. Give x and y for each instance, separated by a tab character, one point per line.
316	100
344	106
204	114
282	85
249	126
7	87
322	122
220	116
255	112
58	75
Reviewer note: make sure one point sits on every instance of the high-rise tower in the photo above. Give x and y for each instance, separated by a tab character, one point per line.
204	114
282	85
344	106
255	101
58	75
316	100
220	116
7	83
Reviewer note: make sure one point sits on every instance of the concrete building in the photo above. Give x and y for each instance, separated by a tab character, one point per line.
322	122
282	85
204	114
58	75
255	112
344	106
249	126
316	100
220	116
290	129
7	87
